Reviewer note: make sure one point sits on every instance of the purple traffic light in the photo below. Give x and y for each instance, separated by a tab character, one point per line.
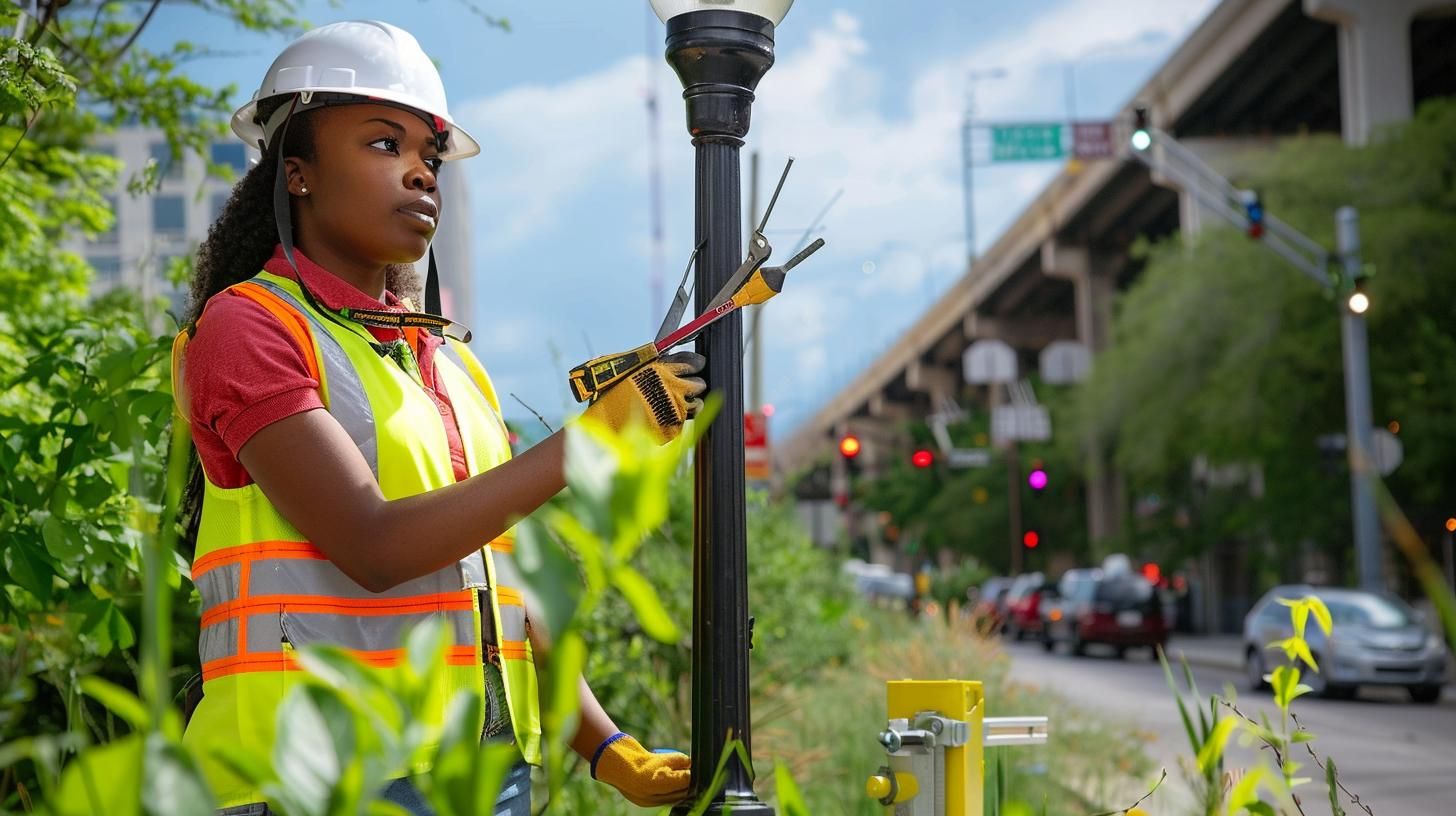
1037	479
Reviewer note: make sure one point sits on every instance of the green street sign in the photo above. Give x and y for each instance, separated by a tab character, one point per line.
1010	143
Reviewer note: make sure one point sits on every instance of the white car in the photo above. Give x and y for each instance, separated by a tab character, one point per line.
1377	640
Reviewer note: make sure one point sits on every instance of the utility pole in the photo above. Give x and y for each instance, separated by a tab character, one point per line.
1243	209
968	160
1360	440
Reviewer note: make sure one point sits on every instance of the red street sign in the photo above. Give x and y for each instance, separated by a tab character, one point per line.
1092	140
756	464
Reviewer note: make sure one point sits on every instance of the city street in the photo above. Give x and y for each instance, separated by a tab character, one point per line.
1398	757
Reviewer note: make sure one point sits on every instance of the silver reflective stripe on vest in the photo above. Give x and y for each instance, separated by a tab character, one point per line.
346	398
296	576
219	584
218	640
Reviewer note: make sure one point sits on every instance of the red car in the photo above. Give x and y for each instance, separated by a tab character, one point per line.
1023	604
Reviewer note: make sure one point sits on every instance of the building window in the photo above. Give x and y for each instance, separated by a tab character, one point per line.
108	270
232	154
169	216
167	167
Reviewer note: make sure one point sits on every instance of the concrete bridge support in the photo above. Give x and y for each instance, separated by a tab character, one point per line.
1375	60
1094	283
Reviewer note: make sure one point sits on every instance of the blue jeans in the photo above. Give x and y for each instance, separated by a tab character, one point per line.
514	798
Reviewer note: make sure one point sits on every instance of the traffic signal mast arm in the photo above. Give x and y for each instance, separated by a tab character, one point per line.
1186	169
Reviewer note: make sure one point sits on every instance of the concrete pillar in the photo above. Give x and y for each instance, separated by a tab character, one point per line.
1375	60
1094	286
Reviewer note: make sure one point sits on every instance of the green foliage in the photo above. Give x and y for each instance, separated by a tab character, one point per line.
1222	350
964	511
1268	788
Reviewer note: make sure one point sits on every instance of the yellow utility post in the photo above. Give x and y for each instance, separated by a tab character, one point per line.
936	739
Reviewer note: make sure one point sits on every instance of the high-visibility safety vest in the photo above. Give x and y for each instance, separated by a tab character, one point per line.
267	591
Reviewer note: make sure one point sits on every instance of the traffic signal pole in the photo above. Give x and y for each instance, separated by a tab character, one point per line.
1164	154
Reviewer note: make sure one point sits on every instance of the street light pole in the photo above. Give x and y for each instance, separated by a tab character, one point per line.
720	51
1360	443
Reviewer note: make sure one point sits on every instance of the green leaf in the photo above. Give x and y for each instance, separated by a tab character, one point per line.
791	802
173	785
304	755
543	563
645	604
1333	785
1244	795
60	542
1301	736
1321	614
30	571
1212	749
118	701
104	779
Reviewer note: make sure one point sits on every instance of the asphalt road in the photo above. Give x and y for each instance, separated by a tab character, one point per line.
1399	757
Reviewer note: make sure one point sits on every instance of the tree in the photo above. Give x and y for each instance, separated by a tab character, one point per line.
1223	351
85	402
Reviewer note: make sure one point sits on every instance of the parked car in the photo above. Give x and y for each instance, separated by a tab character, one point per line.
1377	640
1117	609
1023	604
990	602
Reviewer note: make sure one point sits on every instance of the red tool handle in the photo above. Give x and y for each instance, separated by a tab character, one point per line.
695	325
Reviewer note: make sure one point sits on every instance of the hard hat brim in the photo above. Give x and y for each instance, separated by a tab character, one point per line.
245	125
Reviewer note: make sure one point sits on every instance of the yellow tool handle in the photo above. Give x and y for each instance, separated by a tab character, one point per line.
590	378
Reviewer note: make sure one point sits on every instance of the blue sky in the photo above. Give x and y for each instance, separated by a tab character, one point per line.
867	95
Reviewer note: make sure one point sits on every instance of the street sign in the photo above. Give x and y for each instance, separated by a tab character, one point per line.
989	361
1018	423
1026	142
1065	361
756	462
1093	140
1387	455
969	457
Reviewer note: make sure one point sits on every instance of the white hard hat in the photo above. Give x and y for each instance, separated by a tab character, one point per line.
364	58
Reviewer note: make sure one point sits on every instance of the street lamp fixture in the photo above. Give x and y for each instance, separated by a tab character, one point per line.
720	49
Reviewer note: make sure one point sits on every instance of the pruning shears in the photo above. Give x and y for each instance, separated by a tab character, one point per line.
751	284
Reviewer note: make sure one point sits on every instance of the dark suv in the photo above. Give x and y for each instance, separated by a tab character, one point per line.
1120	610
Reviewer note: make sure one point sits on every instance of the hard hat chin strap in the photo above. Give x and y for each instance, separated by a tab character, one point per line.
283	219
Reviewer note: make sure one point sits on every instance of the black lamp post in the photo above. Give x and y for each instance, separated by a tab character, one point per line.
720	49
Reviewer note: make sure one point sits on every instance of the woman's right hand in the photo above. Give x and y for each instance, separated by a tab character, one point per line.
662	395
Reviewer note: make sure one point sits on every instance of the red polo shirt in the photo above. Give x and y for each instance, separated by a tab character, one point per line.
244	371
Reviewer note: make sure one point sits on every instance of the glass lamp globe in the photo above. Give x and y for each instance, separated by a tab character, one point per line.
771	10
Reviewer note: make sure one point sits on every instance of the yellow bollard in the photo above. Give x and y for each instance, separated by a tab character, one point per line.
936	757
935	740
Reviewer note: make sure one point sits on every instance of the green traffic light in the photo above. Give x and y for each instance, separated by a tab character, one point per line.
1141	140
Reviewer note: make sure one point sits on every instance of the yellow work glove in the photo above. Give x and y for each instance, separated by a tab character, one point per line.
646	778
661	395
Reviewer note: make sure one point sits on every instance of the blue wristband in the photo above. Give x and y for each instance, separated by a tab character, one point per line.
600	748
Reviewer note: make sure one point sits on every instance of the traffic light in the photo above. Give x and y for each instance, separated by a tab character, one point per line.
1254	211
922	458
1030	539
1451	525
1037	479
1142	131
849	446
1152	572
1359	302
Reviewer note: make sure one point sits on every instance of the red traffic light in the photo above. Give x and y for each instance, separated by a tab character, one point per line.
1030	539
1152	572
849	446
922	458
1037	479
